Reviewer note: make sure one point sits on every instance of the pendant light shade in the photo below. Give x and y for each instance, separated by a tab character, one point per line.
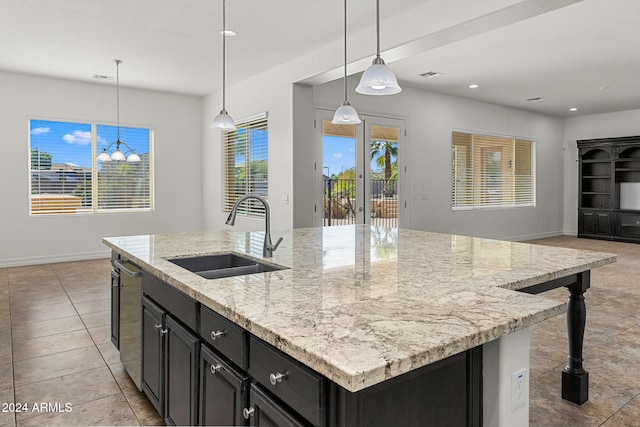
378	79
118	156
345	114
223	121
133	157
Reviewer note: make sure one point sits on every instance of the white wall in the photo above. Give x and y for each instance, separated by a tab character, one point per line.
273	91
623	123
430	118
502	358
178	188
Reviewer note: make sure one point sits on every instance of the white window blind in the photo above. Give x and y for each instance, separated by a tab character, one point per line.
66	178
245	164
491	171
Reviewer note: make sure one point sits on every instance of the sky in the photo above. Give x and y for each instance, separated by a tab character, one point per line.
71	142
339	153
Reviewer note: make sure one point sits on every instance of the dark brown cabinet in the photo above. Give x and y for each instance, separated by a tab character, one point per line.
609	188
170	357
181	374
223	391
199	368
265	411
153	353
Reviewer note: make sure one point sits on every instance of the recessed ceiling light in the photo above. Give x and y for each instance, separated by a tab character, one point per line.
431	74
101	77
537	98
228	33
473	86
605	88
573	109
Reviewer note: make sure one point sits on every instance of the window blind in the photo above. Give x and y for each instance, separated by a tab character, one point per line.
66	178
125	185
245	164
492	171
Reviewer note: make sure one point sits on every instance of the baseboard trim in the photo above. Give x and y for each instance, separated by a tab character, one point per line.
534	236
48	259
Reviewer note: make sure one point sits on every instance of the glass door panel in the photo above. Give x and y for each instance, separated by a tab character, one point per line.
338	174
358	175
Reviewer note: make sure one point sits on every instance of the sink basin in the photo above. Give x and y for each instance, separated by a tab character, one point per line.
222	265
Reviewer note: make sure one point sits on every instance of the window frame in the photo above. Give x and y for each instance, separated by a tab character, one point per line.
94	207
469	192
230	191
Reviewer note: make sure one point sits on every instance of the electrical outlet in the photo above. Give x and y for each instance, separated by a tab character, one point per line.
518	388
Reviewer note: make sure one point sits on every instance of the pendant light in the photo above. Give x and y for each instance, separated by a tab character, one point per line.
345	114
378	79
118	155
223	120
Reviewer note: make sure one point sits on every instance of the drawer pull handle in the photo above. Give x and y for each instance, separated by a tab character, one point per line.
163	331
158	326
217	334
248	412
215	368
276	378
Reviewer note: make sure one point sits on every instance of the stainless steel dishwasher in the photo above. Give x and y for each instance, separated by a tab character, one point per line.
131	319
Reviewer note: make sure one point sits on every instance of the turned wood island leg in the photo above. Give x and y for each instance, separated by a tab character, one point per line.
575	380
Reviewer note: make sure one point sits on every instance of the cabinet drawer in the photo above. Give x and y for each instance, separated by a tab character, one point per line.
629	225
182	306
224	335
299	387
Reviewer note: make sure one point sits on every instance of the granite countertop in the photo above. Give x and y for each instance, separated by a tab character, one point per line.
362	304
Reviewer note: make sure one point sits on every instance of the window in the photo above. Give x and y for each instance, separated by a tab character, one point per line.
67	178
491	171
245	164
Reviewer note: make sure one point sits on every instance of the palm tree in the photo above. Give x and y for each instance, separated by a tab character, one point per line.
382	151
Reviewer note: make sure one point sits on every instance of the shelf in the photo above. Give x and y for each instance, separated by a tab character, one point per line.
596	177
595	161
627	169
593	193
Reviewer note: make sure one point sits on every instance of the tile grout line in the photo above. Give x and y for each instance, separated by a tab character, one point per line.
122	393
13	373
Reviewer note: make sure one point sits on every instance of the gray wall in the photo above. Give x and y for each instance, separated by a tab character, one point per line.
178	186
430	118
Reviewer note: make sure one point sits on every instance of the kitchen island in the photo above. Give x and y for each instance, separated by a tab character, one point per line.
365	306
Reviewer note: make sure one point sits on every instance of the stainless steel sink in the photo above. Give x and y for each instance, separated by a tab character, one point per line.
223	265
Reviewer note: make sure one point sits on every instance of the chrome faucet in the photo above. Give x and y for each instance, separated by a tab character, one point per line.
268	248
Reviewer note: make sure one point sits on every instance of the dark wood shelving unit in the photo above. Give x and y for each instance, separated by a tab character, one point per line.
609	189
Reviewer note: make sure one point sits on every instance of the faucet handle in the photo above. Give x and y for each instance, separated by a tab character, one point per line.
277	243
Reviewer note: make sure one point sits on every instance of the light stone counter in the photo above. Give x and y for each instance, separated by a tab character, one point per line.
363	304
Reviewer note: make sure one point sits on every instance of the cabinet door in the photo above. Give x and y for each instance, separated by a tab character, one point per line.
115	308
152	353
264	411
604	223
181	374
223	391
588	222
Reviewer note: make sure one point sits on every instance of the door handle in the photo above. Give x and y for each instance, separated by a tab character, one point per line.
360	209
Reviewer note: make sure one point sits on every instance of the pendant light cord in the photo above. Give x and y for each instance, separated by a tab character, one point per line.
378	28
118	61
345	50
224	51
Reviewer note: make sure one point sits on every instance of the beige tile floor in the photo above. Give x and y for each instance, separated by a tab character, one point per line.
55	347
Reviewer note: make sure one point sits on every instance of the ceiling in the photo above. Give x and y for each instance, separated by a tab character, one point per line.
584	55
